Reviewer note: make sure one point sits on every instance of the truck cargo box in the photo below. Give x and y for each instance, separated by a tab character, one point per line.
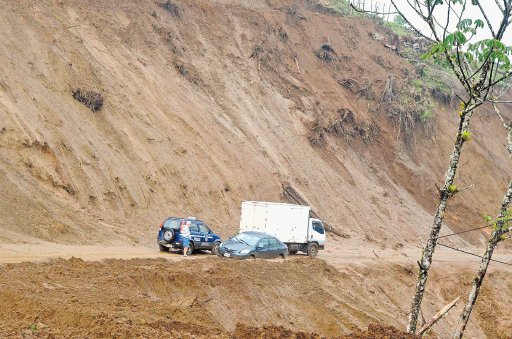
289	223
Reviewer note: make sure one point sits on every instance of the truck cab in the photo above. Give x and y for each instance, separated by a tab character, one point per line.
317	232
316	239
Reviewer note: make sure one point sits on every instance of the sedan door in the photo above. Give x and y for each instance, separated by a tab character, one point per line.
262	249
274	249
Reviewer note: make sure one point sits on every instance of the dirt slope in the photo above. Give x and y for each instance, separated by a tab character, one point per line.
206	104
208	298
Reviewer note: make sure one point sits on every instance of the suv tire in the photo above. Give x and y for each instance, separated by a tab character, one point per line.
169	235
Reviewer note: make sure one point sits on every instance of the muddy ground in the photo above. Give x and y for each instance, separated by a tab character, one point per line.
206	296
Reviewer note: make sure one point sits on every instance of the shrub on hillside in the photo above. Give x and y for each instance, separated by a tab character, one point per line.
92	100
172	8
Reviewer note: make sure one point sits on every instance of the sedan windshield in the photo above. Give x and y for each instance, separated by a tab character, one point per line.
249	239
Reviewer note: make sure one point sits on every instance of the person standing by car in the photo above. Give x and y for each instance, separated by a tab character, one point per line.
185	235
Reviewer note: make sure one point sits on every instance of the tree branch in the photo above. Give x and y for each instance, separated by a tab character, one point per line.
501	94
463	77
506	76
481	66
447	19
508	127
465	188
438	316
486	19
499	6
407	20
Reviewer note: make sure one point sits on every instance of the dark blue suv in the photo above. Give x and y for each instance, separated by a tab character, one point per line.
201	236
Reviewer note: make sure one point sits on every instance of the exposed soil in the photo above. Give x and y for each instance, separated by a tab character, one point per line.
206	104
211	297
189	107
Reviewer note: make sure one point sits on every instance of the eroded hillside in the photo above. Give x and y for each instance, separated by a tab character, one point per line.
206	104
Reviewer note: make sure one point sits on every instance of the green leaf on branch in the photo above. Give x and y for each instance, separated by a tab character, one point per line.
464	24
434	51
460	38
479	23
452	188
466	135
449	40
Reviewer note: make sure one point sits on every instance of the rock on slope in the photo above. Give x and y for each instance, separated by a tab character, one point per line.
206	104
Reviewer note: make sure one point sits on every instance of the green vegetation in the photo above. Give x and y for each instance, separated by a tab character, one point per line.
340	6
399	26
501	223
466	135
414	101
432	78
417	98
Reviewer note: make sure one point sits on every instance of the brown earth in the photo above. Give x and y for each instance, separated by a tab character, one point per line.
209	297
206	104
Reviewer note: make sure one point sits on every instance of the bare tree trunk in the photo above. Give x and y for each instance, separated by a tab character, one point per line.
445	194
491	245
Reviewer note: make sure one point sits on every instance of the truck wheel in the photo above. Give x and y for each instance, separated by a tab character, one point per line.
312	249
215	248
163	248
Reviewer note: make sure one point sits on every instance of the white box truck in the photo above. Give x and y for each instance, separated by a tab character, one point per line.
289	223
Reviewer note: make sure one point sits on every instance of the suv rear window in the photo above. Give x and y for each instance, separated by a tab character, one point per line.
172	223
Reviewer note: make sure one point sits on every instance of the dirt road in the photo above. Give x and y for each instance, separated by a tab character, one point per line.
336	254
348	287
160	294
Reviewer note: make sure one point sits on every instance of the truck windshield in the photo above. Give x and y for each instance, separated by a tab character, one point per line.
250	239
318	227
